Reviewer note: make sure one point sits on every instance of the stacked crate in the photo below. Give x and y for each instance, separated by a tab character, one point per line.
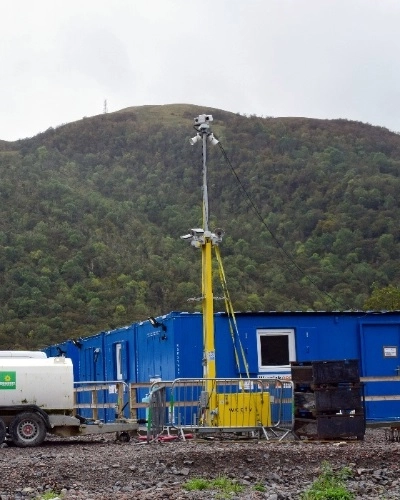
329	395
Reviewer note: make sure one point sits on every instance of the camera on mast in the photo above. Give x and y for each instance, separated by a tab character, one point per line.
203	119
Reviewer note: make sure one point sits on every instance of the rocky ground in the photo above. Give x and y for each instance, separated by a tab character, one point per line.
100	468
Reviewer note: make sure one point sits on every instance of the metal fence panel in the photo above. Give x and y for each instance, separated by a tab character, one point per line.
262	407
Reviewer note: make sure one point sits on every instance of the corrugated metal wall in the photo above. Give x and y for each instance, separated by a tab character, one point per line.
174	349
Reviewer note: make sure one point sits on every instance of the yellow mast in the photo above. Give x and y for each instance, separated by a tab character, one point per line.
203	238
208	312
251	408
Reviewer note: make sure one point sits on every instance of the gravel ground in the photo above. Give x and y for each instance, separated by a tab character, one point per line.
100	468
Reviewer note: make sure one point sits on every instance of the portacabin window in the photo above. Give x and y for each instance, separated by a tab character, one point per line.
275	349
118	356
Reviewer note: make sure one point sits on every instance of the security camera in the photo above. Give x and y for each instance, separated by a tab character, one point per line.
197	231
217	236
214	141
196	243
195	139
203	119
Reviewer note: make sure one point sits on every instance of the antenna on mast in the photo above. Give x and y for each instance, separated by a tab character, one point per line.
105	110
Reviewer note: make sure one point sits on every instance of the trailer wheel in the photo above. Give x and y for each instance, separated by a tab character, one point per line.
3	432
123	437
27	429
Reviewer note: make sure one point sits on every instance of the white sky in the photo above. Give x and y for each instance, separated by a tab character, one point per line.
60	60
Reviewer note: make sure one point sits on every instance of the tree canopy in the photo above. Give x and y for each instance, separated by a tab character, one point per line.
384	299
92	211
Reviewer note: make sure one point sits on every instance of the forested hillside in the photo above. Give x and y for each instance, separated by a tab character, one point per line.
92	213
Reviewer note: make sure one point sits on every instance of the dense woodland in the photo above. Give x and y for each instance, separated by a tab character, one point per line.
92	213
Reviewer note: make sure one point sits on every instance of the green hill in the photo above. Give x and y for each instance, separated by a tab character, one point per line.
91	214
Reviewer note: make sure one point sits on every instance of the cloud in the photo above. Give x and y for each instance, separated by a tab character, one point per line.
60	61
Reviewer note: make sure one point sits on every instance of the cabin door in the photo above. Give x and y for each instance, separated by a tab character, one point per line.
380	365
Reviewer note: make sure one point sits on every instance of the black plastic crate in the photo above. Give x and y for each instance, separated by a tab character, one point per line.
304	401
301	373
339	398
341	426
335	372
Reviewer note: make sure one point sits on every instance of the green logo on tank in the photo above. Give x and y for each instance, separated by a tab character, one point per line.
8	380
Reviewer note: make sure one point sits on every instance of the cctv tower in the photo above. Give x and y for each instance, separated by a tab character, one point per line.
205	239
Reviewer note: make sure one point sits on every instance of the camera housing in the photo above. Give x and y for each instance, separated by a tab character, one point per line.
203	119
198	231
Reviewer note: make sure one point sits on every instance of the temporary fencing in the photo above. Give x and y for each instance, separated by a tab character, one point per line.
101	400
282	408
156	416
259	407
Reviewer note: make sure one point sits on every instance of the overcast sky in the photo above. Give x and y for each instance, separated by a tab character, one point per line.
60	60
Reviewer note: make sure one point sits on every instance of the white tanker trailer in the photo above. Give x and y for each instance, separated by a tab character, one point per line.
37	397
22	354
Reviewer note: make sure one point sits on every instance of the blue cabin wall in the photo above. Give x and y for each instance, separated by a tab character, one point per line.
227	349
119	352
92	369
92	358
317	336
172	352
176	350
188	345
379	355
371	338
154	356
120	362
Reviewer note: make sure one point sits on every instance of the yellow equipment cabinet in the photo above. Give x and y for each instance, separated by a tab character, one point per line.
244	409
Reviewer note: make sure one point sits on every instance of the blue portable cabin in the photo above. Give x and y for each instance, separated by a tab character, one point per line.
177	351
273	340
91	369
92	358
173	348
120	364
168	348
120	353
379	354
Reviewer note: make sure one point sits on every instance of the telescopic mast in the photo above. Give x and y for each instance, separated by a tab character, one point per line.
205	239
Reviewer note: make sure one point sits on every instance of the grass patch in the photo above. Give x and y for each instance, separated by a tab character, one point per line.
259	487
226	487
49	496
197	483
329	485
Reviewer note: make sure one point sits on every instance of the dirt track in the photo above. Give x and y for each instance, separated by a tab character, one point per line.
100	468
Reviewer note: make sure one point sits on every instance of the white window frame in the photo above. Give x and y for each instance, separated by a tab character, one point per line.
287	332
118	359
